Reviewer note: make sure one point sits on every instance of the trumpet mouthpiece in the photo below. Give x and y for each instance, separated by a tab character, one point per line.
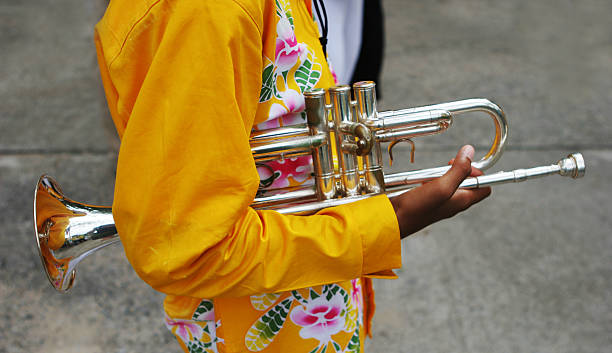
573	166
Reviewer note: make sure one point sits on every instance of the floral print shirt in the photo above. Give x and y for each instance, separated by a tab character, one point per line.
327	318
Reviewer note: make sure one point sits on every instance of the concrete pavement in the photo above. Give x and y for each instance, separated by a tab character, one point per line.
529	270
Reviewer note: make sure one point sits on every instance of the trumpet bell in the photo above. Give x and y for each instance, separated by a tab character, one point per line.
67	231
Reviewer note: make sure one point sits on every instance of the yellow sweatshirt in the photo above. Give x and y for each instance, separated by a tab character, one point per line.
186	82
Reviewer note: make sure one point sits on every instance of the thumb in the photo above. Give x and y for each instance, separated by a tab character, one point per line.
461	168
438	191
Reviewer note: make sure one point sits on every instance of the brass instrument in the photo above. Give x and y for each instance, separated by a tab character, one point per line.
68	231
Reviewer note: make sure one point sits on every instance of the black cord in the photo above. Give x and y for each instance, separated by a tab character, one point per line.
323	22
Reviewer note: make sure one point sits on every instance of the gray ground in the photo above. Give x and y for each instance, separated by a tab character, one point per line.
530	270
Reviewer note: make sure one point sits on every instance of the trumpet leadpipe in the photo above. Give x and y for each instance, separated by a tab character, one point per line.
572	166
414	176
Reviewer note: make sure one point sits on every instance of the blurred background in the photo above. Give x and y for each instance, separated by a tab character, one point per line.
529	270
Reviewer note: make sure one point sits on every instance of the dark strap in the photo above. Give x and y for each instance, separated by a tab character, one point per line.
324	24
369	64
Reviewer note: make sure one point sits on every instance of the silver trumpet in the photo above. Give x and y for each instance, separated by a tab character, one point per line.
349	130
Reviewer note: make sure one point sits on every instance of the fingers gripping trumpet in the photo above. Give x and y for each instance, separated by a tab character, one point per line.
349	131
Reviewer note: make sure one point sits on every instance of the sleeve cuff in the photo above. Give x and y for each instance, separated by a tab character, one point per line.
381	243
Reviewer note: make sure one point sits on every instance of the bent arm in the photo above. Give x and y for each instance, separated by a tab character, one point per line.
184	90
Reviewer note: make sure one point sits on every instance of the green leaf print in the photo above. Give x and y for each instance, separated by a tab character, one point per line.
284	10
354	345
200	347
351	316
329	290
279	9
298	297
307	75
263	331
268	85
263	301
204	308
289	17
194	347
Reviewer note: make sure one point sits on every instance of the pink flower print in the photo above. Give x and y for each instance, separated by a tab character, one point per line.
277	111
207	316
356	292
287	48
331	69
267	175
61	269
187	330
298	168
356	297
320	318
294	101
290	111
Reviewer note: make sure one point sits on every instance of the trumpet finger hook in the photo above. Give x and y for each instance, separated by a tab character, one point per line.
392	144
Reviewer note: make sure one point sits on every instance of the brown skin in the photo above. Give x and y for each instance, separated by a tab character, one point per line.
440	198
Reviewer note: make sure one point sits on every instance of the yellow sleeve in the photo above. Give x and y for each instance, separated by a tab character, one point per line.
186	81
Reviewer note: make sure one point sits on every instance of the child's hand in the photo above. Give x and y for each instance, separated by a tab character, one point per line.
440	198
